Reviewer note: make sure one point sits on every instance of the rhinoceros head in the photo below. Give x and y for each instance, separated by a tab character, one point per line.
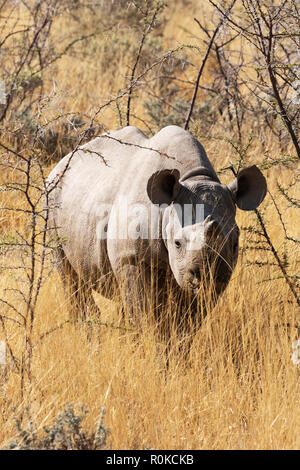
199	227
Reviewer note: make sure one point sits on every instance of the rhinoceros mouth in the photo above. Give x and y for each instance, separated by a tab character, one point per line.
210	280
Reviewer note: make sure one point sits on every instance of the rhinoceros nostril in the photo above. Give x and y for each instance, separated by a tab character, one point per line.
195	273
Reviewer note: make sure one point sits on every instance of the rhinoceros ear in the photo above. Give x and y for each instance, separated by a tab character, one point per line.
248	188
163	186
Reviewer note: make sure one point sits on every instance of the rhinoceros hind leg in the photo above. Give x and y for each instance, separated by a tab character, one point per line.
78	292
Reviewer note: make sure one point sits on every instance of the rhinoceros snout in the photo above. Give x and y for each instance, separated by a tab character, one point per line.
195	273
198	273
194	277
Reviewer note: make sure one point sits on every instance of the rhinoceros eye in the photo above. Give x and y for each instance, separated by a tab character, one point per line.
177	243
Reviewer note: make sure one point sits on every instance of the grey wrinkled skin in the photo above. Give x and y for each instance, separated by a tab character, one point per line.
170	169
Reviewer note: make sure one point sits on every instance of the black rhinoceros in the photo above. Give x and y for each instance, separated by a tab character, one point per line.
138	215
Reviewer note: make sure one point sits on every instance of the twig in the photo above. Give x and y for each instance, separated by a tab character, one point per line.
142	42
190	112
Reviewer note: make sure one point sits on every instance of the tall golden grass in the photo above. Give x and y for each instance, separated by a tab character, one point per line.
239	389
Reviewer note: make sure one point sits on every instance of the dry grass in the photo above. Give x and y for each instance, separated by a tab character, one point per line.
240	389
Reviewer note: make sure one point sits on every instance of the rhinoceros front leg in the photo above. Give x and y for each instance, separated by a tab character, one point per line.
79	295
134	288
